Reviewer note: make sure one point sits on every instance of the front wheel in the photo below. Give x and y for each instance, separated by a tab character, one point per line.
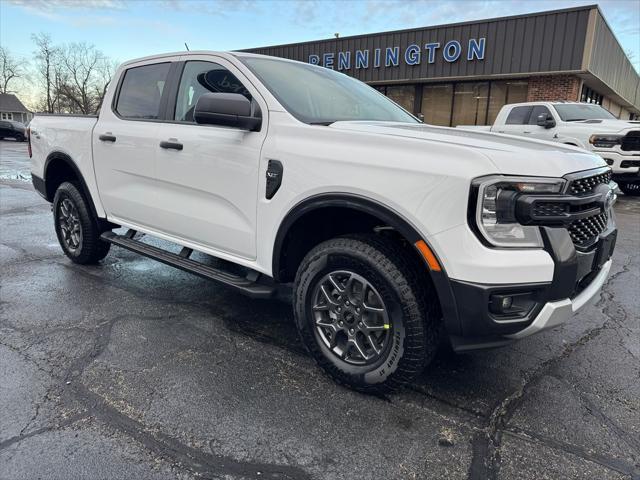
365	313
76	228
630	188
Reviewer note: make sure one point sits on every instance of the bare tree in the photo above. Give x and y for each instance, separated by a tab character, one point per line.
10	70
84	75
46	55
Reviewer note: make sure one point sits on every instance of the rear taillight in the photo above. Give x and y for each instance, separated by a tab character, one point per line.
29	142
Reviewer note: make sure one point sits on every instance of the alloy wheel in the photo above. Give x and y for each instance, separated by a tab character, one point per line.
351	318
69	221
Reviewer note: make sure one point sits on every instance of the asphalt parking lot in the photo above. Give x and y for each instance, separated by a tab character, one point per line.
132	369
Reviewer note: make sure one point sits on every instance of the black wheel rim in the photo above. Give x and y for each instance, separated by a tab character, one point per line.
350	318
70	227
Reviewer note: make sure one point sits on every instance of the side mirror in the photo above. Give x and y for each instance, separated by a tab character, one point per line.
229	110
545	120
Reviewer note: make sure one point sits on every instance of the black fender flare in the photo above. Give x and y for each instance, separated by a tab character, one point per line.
387	215
59	156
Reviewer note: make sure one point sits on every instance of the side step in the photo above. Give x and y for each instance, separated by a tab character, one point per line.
246	285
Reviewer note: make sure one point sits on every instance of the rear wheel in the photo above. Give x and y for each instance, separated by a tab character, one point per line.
76	228
364	314
630	188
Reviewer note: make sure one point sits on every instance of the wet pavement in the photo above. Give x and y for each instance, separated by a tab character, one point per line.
132	369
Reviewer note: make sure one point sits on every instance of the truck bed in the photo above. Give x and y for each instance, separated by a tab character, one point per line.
63	134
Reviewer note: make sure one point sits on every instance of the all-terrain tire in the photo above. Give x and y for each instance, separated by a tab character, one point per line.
87	248
405	292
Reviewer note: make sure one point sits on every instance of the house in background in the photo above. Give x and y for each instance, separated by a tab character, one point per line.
11	108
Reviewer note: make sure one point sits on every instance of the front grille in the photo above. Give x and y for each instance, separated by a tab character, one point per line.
587	184
631	142
550	209
585	232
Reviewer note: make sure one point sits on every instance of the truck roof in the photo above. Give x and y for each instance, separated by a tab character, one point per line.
554	102
160	56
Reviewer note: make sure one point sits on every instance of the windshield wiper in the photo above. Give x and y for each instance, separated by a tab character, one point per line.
576	120
326	124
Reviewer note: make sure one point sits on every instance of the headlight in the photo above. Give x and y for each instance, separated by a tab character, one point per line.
496	209
604	141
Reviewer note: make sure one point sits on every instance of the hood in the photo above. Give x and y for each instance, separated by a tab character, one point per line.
605	126
509	154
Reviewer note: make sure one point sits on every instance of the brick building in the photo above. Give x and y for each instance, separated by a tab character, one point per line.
464	73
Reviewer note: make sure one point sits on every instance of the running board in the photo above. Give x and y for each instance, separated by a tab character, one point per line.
246	285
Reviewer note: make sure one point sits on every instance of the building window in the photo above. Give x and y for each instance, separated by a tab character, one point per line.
470	103
436	104
504	93
590	96
403	95
7	116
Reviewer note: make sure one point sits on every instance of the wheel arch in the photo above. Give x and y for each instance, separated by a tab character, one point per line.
369	212
340	201
59	168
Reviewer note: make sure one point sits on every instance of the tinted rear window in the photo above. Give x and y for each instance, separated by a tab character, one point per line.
519	116
141	91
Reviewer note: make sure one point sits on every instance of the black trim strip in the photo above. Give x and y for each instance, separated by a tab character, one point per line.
39	186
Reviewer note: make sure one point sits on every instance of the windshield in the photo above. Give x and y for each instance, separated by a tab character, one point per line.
573	112
318	95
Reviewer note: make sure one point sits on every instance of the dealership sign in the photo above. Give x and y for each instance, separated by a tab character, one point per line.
414	54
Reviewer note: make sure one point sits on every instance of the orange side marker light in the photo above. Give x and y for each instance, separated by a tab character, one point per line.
428	255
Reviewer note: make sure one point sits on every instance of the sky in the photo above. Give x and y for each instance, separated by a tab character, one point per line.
126	29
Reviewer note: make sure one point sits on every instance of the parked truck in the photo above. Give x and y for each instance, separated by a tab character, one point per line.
386	234
583	125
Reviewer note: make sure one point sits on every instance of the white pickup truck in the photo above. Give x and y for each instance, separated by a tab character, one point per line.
583	125
384	232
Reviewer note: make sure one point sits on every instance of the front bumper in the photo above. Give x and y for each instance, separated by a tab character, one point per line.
623	164
556	313
578	277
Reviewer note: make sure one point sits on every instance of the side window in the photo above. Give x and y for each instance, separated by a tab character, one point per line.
201	77
141	91
536	112
519	116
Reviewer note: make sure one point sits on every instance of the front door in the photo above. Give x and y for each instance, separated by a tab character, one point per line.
125	144
541	133
207	175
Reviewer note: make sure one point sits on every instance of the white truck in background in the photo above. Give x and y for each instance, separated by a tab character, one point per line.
583	125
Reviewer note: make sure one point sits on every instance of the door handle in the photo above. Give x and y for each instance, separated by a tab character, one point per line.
107	138
526	132
171	145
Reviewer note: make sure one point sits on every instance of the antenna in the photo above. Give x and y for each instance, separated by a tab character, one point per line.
186	46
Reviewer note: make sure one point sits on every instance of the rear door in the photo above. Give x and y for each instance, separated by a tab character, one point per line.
125	142
207	191
517	121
